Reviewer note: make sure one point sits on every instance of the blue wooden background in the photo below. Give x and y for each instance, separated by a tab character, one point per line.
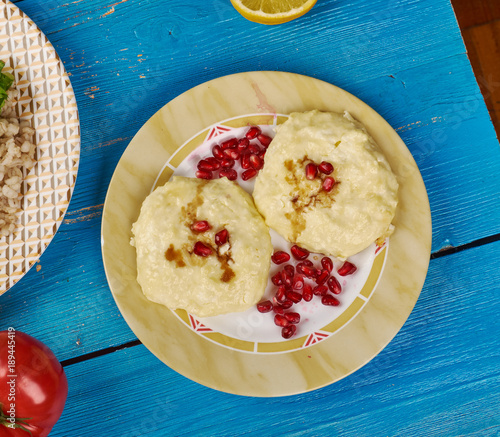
440	376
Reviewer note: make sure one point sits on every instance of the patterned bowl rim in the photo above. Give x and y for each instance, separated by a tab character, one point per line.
49	185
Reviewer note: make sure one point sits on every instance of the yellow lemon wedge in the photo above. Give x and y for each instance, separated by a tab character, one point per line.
272	11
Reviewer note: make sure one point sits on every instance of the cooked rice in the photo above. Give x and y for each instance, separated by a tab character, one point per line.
17	151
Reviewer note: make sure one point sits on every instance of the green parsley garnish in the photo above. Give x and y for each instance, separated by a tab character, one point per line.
6	80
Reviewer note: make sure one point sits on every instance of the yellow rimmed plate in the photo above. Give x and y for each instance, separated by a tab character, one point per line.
222	361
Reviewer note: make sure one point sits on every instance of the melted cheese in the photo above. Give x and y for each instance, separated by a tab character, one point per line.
233	278
355	213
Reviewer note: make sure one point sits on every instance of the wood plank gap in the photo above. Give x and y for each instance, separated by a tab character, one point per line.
99	353
111	349
472	244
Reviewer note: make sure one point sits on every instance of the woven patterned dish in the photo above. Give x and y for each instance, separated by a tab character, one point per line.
47	101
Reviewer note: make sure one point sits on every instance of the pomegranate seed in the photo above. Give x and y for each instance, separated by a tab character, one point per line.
292	317
288	331
232	142
231	153
330	300
256	162
311	171
280	257
334	285
307	293
229	173
221	237
280	294
286	278
261	154
264	140
201	249
243	143
327	264
227	163
205	165
248	174
306	270
323	276
307	262
328	184
217	152
298	282
245	161
278	309
276	279
201	226
214	162
286	304
290	270
252	132
280	320
325	167
265	307
294	296
320	290
299	253
254	149
347	269
234	154
203	174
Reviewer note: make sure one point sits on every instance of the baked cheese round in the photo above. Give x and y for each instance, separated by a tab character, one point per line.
342	215
182	265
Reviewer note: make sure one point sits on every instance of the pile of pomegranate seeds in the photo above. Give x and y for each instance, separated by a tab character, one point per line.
322	170
247	153
201	249
301	282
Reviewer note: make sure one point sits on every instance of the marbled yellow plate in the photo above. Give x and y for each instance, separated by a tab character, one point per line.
222	357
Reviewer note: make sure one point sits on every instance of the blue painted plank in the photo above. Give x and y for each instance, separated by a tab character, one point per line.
438	377
451	138
148	53
107	47
107	53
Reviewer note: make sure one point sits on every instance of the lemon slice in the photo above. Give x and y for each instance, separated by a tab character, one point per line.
272	11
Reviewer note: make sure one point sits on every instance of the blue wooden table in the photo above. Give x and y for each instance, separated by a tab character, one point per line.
440	376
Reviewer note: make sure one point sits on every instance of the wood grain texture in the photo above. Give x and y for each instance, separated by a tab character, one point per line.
473	13
438	377
151	43
123	80
407	60
443	124
483	42
414	85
